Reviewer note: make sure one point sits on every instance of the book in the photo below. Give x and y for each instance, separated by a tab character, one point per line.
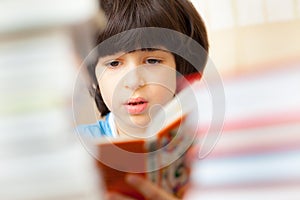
160	158
257	155
39	155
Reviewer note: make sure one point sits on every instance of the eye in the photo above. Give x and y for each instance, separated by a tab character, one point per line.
113	64
153	61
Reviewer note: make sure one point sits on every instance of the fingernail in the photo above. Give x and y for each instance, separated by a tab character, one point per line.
132	179
110	196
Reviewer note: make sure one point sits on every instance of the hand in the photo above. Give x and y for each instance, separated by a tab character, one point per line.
145	187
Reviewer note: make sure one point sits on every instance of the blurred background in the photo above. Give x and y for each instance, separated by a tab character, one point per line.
247	35
254	44
41	46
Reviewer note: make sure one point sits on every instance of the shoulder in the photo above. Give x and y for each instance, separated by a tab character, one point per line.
96	130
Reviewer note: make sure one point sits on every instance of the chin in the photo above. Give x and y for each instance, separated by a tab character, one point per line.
140	121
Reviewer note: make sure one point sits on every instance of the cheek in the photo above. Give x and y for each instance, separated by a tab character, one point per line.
162	76
162	94
107	89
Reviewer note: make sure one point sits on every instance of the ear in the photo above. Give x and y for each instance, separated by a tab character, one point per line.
185	80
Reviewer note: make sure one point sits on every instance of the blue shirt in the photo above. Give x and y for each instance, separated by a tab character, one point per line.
99	129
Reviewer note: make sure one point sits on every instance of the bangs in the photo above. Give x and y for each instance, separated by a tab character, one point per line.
126	25
139	39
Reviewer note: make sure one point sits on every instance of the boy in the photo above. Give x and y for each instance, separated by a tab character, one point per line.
137	69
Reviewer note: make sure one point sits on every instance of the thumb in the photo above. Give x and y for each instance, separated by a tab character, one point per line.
148	189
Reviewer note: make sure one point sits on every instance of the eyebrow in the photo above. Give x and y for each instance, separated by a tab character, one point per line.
148	49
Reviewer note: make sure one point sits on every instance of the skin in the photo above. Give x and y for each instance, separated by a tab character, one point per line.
148	76
145	187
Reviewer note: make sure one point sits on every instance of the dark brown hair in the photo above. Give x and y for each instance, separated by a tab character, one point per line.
124	15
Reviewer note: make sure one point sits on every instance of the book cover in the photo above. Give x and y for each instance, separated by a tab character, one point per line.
160	159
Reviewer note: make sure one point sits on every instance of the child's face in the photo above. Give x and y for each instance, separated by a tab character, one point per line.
133	83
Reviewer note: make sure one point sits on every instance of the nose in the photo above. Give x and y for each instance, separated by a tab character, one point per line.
134	78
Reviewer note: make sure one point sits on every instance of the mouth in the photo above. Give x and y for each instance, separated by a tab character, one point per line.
136	106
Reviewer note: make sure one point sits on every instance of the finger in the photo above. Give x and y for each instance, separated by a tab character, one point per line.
148	189
116	196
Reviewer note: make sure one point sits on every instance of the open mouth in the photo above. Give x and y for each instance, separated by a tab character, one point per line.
136	105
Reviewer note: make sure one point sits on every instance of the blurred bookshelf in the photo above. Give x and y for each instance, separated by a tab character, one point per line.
257	153
40	155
